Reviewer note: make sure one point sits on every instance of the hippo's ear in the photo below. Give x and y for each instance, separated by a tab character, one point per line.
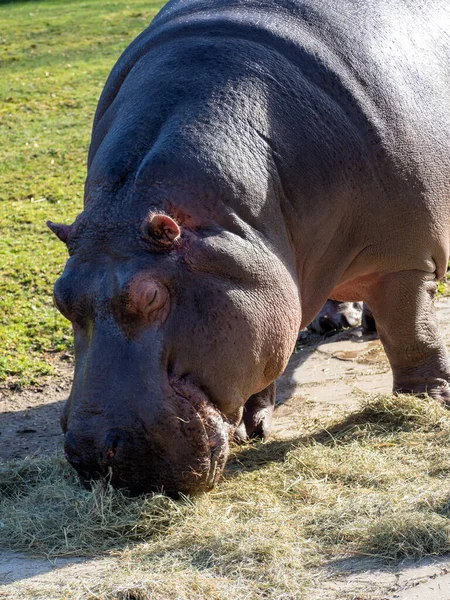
60	230
163	229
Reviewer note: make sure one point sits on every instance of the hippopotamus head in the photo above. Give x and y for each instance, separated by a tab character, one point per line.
175	327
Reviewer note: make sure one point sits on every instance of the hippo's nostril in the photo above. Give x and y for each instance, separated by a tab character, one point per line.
113	444
111	452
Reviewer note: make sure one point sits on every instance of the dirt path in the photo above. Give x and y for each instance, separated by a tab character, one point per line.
29	420
325	376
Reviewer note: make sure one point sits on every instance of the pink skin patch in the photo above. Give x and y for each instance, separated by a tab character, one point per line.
148	299
163	229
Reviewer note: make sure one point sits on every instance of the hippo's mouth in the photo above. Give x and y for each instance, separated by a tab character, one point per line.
185	451
217	428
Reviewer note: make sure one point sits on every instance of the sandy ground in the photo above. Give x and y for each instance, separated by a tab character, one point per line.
326	375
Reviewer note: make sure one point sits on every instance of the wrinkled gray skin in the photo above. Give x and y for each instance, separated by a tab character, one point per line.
249	160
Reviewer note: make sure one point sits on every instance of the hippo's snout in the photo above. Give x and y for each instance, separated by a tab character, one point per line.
113	449
115	446
182	448
116	457
83	456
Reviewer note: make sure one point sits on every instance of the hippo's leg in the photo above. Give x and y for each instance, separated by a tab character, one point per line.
402	304
368	320
257	415
335	316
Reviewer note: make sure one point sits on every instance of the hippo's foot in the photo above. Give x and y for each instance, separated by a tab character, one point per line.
440	393
257	417
438	390
335	316
422	380
402	304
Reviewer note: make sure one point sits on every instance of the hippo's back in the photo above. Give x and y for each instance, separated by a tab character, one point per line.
376	47
385	62
356	94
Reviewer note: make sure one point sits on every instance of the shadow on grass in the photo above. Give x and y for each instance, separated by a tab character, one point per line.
15	566
397	542
257	454
372	566
33	432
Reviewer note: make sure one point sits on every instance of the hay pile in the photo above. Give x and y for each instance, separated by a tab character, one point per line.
372	484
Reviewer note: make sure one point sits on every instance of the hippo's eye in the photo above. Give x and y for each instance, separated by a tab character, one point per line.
152	299
148	299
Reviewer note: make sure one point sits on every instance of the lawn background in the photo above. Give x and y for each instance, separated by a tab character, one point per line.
55	57
372	484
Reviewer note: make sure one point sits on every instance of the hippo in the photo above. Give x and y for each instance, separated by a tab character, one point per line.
251	159
336	316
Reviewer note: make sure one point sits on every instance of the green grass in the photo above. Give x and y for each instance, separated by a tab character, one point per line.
55	56
443	290
373	484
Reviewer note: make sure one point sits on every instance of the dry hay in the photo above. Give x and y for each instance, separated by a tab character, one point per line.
372	484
